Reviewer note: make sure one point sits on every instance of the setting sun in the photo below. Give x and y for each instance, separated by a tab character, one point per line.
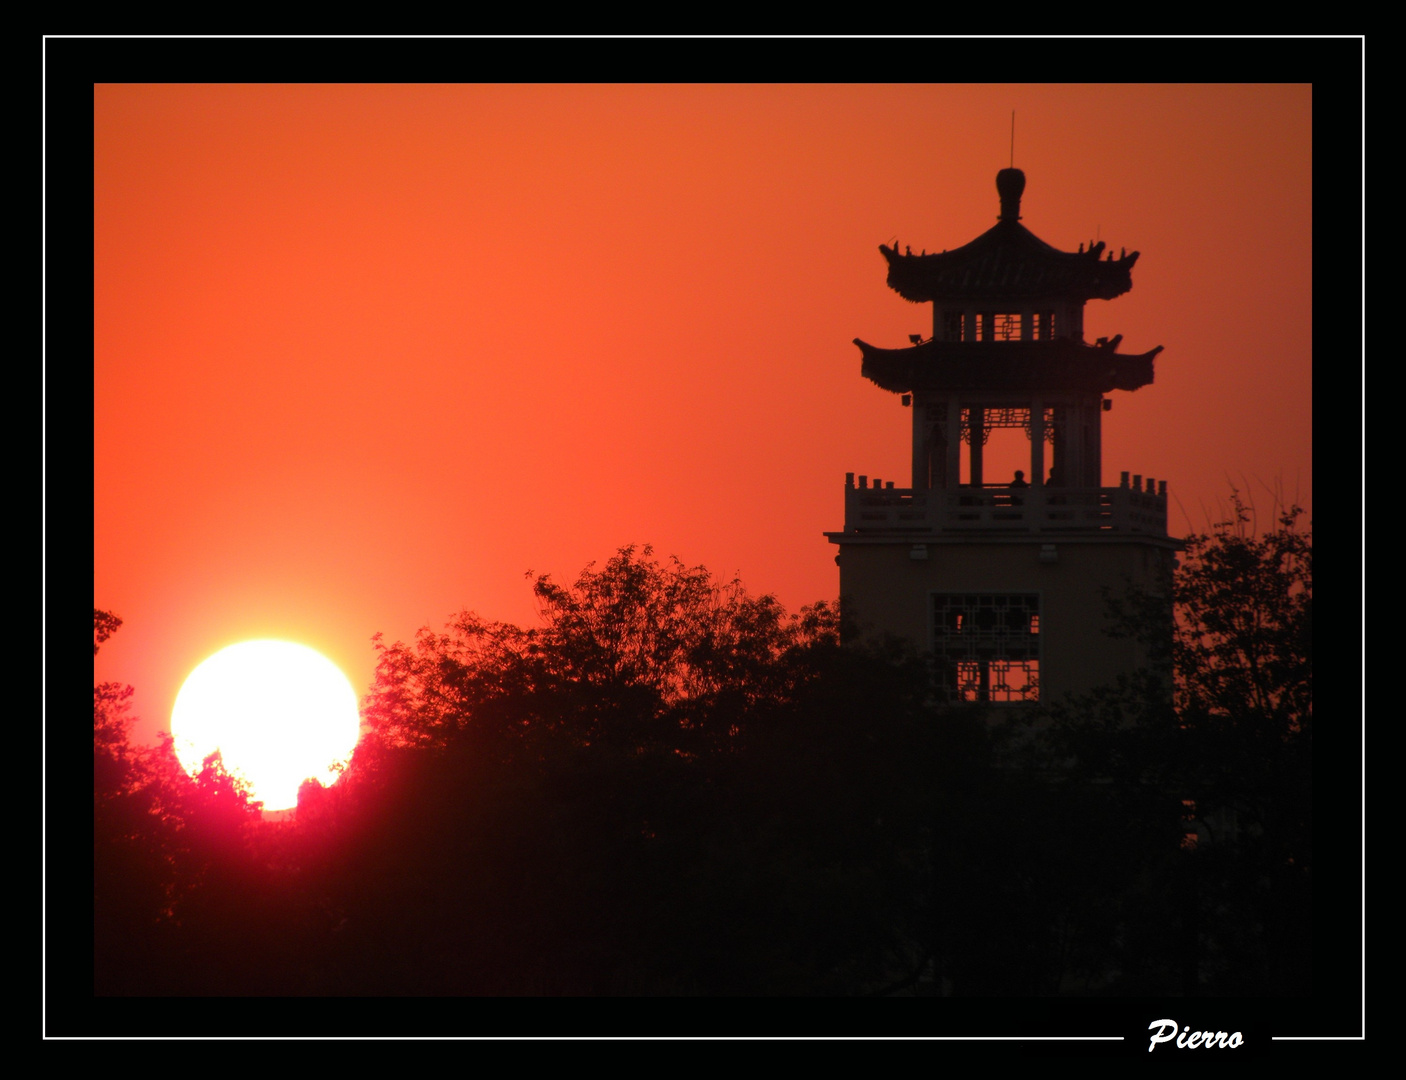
278	712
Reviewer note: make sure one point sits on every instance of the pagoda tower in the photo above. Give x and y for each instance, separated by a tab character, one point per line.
1004	580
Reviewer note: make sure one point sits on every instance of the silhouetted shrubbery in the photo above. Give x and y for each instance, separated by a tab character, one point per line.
673	787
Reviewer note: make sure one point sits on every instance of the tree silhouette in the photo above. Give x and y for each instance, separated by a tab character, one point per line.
1244	663
167	850
1208	753
671	786
112	759
640	652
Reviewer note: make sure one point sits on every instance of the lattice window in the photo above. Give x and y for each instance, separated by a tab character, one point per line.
992	418
1007	418
987	646
952	326
998	325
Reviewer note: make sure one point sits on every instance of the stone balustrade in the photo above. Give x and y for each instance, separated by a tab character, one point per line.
998	508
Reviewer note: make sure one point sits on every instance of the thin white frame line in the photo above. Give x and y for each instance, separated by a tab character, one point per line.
1362	510
588	1038
1362	582
941	1038
43	534
686	37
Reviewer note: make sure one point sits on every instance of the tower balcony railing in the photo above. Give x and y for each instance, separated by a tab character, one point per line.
1130	509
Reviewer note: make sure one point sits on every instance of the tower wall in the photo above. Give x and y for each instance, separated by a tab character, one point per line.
888	591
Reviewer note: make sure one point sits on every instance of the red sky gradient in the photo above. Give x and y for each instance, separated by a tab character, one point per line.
366	355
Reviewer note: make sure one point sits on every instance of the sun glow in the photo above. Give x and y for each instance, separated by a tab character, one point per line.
278	712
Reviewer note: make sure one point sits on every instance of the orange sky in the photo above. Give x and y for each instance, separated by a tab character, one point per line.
365	355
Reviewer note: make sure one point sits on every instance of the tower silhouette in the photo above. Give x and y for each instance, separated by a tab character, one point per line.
1005	582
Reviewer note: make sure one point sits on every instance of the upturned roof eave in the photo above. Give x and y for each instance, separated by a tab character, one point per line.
1008	262
1063	364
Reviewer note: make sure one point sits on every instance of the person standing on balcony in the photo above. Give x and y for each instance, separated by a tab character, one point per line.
1018	482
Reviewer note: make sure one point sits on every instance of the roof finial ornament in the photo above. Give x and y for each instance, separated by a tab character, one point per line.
1010	184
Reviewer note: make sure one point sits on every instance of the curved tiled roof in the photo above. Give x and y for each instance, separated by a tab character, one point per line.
1063	364
1009	262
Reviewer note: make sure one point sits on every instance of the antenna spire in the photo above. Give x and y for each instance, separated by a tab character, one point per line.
1012	138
